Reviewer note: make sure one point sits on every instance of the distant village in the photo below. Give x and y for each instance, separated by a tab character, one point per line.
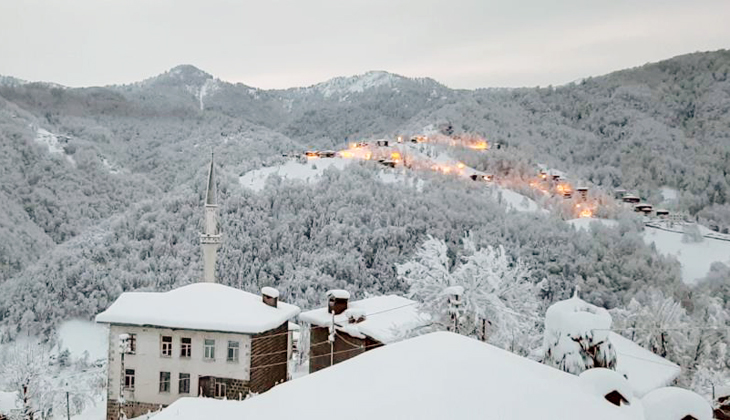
206	350
404	151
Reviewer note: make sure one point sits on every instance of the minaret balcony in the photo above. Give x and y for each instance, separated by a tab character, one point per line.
210	239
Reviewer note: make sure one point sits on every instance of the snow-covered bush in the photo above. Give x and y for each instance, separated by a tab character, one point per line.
576	336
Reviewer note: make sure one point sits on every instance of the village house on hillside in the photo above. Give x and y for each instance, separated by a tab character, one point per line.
447	376
359	326
204	339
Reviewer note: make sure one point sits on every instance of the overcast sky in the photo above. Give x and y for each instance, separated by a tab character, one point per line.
278	44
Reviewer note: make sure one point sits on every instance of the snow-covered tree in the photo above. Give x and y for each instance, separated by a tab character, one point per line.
576	337
25	371
497	301
655	322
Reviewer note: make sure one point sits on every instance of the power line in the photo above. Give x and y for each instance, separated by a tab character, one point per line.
672	365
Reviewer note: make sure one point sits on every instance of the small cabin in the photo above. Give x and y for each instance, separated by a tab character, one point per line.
328	154
643	208
631	199
582	192
662	213
354	330
387	162
311	154
381	143
481	177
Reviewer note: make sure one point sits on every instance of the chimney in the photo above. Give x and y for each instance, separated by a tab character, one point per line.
337	301
270	296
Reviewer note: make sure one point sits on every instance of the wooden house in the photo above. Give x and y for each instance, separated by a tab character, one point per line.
345	329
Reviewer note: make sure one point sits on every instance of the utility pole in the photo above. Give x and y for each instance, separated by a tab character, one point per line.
68	407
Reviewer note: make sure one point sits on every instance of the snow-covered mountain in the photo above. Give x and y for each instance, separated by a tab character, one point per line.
661	125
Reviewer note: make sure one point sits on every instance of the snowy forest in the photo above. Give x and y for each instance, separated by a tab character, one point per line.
102	190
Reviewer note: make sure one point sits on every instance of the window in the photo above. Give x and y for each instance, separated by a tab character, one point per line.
186	346
209	349
132	344
129	379
184	383
164	381
166	345
220	389
232	351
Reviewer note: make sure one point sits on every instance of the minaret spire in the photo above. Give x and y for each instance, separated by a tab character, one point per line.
210	191
211	238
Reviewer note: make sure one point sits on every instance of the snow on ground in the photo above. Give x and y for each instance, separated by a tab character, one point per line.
586	222
434	376
9	401
392	177
95	410
50	140
111	168
207	88
79	336
695	258
308	172
355	84
516	201
669	194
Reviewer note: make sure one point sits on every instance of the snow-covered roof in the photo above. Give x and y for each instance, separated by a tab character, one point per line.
270	291
386	318
454	290
674	404
199	306
431	377
604	381
338	294
644	370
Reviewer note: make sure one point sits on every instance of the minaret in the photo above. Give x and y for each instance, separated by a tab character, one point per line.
211	239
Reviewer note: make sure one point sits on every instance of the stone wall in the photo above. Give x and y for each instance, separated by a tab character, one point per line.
236	389
269	358
131	409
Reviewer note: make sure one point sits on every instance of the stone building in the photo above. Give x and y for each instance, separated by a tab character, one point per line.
204	339
358	326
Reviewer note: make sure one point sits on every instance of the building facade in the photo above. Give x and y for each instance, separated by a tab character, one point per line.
201	340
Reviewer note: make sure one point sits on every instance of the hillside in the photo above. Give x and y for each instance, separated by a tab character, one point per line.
102	185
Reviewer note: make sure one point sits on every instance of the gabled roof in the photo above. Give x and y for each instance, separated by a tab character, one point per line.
387	318
199	306
431	377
